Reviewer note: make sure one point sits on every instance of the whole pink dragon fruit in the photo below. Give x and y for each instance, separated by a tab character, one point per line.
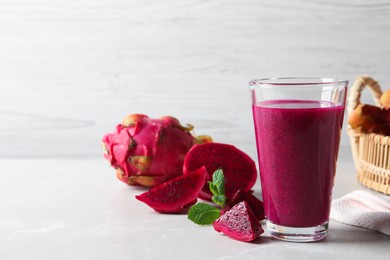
148	152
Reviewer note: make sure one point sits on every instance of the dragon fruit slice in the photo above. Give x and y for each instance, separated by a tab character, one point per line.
239	223
177	194
254	203
239	169
148	152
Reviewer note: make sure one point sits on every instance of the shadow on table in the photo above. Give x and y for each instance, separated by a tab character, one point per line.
262	240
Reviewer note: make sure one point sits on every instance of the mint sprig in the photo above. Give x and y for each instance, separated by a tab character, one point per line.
206	214
217	187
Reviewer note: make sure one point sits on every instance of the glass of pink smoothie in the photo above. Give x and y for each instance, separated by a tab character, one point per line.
297	125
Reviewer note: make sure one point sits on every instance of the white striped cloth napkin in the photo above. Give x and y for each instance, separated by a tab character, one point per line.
363	209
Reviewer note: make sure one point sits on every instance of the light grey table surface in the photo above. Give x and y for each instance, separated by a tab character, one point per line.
70	70
77	209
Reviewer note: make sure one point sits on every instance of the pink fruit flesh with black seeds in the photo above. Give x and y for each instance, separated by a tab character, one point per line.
239	223
176	195
254	203
238	168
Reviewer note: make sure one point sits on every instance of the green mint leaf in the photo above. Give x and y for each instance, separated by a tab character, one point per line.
219	199
213	188
203	214
219	182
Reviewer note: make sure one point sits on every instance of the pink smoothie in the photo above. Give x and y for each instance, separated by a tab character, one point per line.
297	144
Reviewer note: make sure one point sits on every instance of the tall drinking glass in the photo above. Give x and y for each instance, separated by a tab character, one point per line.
298	125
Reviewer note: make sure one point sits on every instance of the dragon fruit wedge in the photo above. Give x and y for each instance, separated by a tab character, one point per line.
176	195
254	203
148	152
239	223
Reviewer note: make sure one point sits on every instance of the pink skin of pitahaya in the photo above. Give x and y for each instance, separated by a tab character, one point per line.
147	151
176	195
239	223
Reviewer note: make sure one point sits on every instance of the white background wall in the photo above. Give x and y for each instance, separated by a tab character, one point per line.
70	70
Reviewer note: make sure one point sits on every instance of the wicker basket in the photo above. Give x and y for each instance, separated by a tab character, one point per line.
371	152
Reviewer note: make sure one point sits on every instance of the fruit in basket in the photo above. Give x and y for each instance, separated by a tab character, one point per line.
385	100
380	128
148	152
370	119
176	195
364	116
239	223
239	169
